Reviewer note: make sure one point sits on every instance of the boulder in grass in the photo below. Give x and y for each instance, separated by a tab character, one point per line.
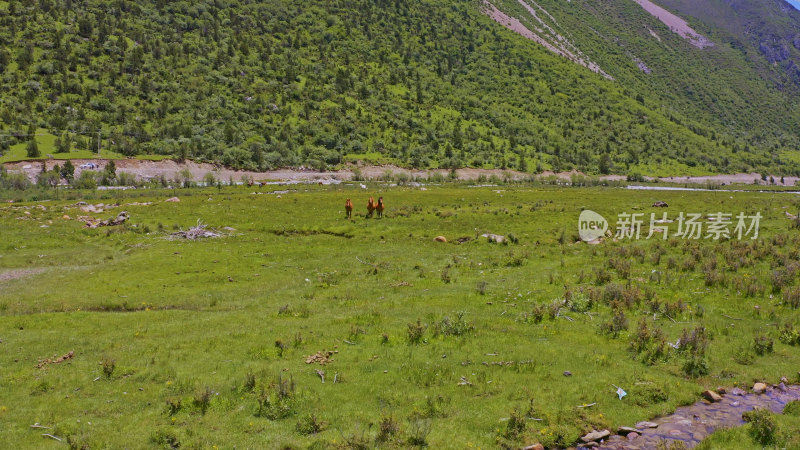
596	436
712	396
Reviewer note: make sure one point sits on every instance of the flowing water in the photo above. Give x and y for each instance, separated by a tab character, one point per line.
691	424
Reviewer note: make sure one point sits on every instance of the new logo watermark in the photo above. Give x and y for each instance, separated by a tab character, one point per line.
714	226
591	226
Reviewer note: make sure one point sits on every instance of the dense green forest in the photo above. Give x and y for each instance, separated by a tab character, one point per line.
266	84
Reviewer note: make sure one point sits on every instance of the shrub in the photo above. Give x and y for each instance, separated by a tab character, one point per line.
202	400
763	427
418	432
579	303
249	384
174	405
714	278
416	331
87	180
601	276
615	325
536	315
648	394
108	366
792	408
649	345
310	424
457	327
387	428
695	366
16	181
516	425
762	344
126	179
695	342
165	439
789	335
791	297
445	275
744	355
276	401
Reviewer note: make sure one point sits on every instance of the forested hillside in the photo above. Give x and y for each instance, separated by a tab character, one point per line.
429	83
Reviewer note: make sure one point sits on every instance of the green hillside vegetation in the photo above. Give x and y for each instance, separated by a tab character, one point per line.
261	85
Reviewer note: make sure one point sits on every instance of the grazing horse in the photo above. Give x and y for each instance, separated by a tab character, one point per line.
370	207
348	208
379	207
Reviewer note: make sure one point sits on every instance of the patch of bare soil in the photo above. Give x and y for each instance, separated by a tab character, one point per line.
148	170
16	274
675	24
736	178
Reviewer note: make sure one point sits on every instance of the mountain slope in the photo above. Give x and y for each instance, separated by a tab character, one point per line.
423	84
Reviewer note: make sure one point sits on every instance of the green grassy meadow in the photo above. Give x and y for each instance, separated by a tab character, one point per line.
204	343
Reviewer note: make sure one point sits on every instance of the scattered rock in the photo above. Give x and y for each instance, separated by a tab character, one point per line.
567	373
65	217
632	436
461	240
784	380
722	390
782	387
737	391
55	359
534	447
596	435
173	200
590	445
759	388
440	239
660	204
626	430
94	223
712	396
322	358
643	425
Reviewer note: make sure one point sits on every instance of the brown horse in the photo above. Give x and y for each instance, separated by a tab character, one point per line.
379	207
370	207
348	208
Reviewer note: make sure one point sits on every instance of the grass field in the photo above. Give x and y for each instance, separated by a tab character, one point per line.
46	144
204	343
